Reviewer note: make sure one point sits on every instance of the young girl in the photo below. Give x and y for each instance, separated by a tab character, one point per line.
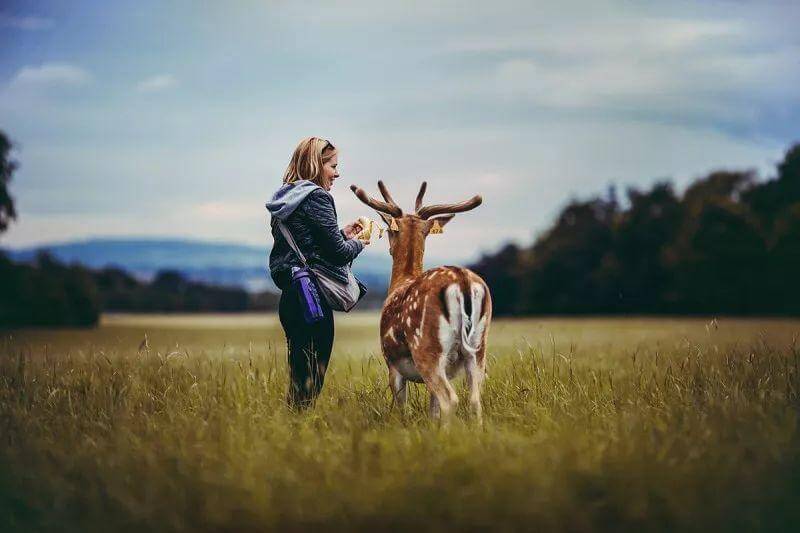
305	206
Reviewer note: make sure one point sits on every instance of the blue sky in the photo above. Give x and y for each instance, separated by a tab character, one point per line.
178	118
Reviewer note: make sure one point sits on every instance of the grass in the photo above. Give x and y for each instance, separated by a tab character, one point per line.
590	424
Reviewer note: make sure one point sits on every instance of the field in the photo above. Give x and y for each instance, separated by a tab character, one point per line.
178	423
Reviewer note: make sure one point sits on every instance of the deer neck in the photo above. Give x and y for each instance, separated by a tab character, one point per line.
406	262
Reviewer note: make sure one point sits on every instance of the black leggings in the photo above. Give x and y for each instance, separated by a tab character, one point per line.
309	347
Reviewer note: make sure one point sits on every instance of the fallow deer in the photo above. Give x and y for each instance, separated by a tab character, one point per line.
434	323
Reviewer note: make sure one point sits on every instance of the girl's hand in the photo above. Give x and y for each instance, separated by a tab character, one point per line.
353	229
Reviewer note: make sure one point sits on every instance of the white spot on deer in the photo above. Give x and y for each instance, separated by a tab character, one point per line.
448	332
422	318
390	334
408	321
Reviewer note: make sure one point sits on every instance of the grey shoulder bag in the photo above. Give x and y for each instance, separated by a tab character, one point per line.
340	296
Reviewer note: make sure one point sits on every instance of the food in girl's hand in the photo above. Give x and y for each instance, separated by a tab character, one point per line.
368	226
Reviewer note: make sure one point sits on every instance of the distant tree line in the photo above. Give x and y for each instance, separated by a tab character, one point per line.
49	293
728	244
171	291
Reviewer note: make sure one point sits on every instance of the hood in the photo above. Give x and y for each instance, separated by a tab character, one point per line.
288	197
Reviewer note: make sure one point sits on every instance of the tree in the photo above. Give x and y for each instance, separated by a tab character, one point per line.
7	168
718	260
768	199
560	268
729	245
784	262
47	293
498	271
641	235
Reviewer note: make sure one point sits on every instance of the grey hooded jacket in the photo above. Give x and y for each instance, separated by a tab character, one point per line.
309	213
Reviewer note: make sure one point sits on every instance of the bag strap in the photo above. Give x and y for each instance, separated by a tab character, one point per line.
287	234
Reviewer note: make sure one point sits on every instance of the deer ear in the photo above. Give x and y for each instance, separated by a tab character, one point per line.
389	220
437	223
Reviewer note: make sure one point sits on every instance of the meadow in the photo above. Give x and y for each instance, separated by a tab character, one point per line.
177	423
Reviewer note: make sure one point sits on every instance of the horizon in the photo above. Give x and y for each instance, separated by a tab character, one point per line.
190	116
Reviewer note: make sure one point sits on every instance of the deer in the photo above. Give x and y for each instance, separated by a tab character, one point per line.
435	323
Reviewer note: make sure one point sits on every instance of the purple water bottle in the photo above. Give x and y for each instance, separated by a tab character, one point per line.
309	297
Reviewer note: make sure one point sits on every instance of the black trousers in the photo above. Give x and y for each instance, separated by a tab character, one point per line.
309	349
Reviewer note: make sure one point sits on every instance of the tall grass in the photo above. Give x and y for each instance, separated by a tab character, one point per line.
694	433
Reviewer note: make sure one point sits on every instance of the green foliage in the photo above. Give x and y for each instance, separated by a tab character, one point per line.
560	270
591	425
728	245
47	293
170	291
7	168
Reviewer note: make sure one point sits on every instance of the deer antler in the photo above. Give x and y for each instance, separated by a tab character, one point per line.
431	210
386	195
389	206
421	193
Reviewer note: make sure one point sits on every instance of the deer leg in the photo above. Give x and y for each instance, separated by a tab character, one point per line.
398	385
433	408
431	355
442	392
475	367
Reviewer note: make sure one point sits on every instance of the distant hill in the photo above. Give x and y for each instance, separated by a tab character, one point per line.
218	263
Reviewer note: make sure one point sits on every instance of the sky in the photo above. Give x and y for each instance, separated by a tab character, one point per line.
177	119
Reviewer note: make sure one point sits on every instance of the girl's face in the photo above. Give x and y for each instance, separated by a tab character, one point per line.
329	172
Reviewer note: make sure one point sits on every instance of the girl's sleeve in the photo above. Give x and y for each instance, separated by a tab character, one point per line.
321	215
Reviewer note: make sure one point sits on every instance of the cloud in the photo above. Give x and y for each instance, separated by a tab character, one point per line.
157	83
726	73
51	74
603	37
215	211
28	23
525	104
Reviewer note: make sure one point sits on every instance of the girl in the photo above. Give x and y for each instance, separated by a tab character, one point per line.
305	206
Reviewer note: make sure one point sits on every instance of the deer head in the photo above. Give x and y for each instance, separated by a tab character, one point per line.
407	232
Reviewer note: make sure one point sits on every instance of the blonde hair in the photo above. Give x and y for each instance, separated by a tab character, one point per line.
308	159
